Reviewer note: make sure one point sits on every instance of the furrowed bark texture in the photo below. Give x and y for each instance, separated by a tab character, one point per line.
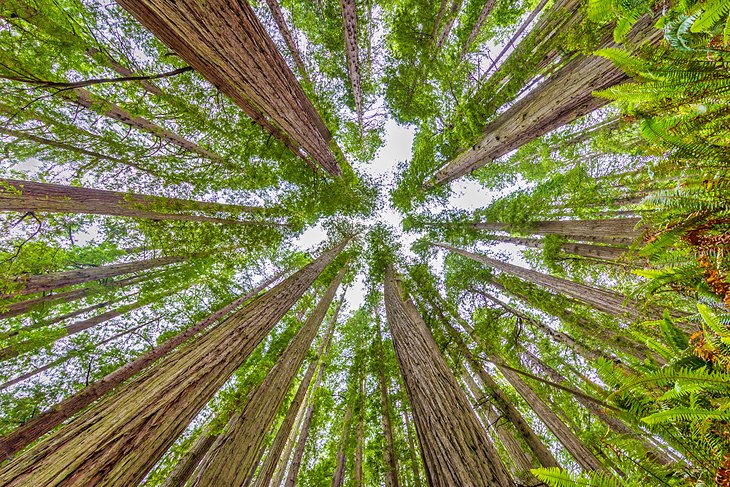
234	453
455	448
29	284
611	231
580	452
277	446
278	477
598	252
286	33
119	440
601	299
46	421
389	456
26	196
111	110
225	42
563	97
352	51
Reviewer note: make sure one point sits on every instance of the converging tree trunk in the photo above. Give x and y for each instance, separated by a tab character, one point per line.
154	408
455	448
598	252
234	453
389	456
27	196
338	477
611	231
288	37
226	44
46	421
352	52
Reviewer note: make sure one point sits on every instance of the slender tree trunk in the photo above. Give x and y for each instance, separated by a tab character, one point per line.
286	456
606	417
360	439
502	401
111	110
412	451
226	44
60	145
27	196
338	478
352	52
389	456
118	440
28	284
28	305
601	299
453	14
277	447
187	464
580	452
69	356
233	455
286	34
477	27
46	421
73	328
598	252
455	448
522	463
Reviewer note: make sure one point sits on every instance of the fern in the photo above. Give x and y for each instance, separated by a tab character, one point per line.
687	415
713	12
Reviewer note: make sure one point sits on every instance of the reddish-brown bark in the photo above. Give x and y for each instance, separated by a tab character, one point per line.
352	51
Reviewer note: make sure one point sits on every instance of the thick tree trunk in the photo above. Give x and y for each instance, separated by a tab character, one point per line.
111	110
69	356
352	52
601	299
28	284
234	453
46	421
561	98
286	34
389	456
338	477
580	452
25	306
226	44
27	196
611	231
597	252
455	448
522	463
502	401
118	440
189	462
284	432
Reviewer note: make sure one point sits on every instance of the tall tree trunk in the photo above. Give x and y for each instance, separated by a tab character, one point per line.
111	110
352	52
455	448
28	305
118	440
522	463
580	452
412	451
286	33
27	196
54	335
278	477
598	252
226	44
611	231
69	356
606	417
284	432
188	463
360	438
46	421
338	478
561	98
453	14
389	456
601	299
28	284
477	27
502	401
233	455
